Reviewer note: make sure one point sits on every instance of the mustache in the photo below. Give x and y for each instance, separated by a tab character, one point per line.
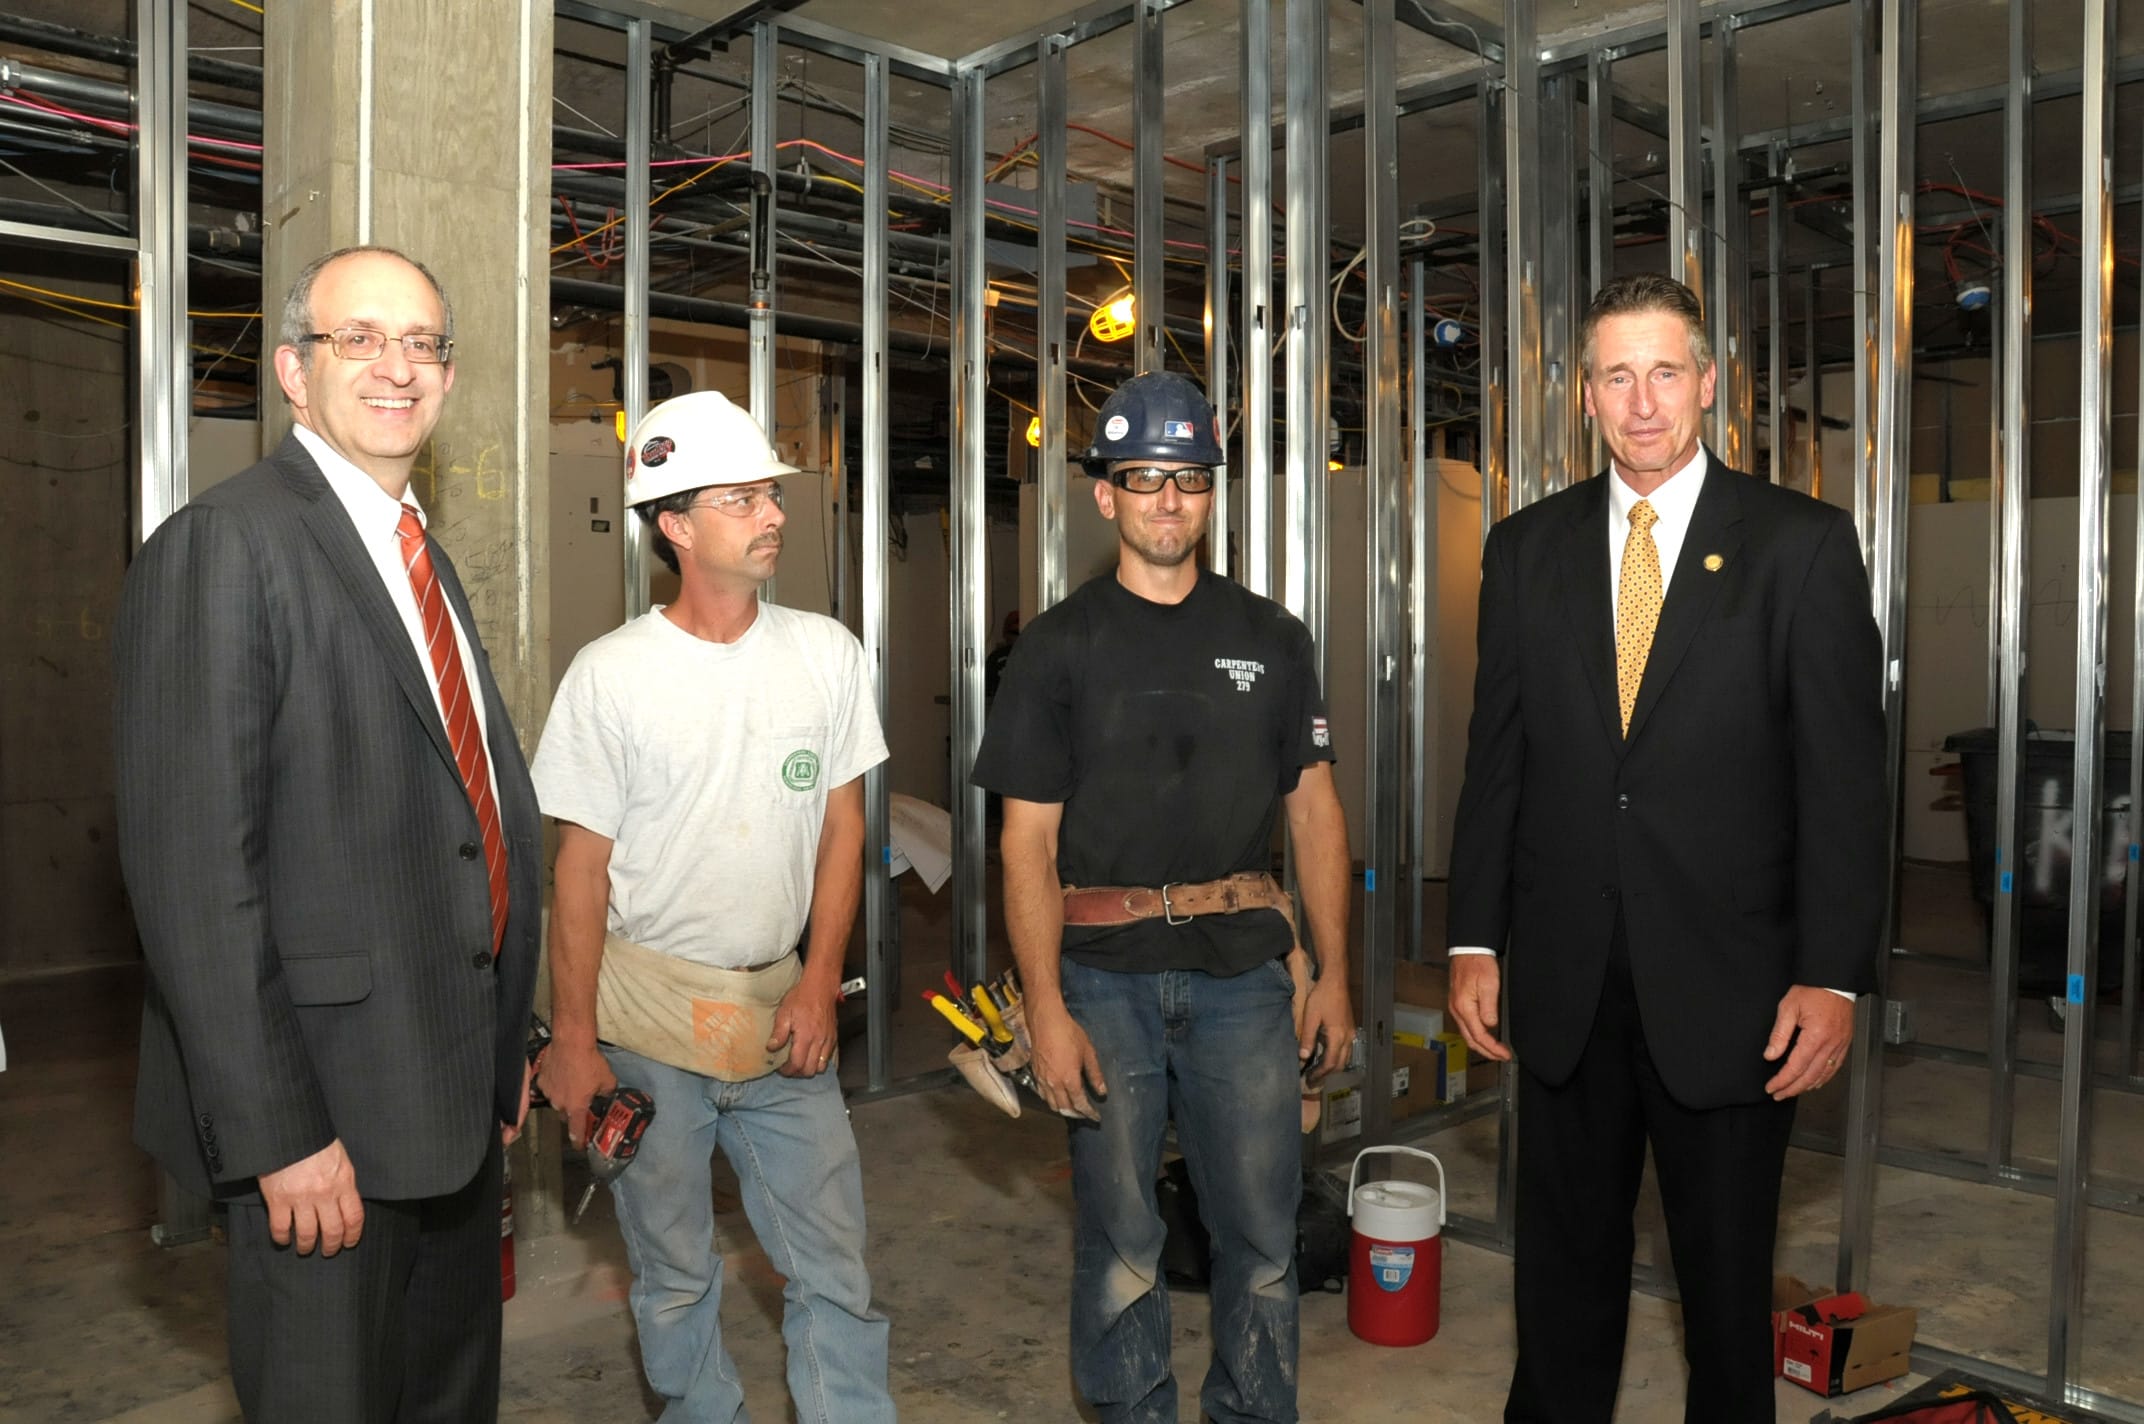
766	541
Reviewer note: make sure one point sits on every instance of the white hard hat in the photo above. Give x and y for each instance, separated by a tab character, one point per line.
695	440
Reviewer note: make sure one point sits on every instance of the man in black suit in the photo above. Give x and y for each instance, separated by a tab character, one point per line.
1673	827
330	840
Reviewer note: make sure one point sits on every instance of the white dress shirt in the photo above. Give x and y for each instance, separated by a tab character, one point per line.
1674	503
378	517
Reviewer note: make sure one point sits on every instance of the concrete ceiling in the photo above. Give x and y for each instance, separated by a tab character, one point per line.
1795	77
1795	83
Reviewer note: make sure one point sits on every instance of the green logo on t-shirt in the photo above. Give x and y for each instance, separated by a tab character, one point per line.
801	771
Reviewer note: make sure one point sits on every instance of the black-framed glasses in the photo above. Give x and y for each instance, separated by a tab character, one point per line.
1148	479
741	504
362	343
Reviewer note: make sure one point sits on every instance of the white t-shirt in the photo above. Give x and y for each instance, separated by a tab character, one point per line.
707	766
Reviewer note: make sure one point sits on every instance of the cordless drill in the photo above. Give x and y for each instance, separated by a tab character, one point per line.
617	1121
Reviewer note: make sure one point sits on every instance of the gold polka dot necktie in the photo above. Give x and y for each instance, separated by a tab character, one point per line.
1637	607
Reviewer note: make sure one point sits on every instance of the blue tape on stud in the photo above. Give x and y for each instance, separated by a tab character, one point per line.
2006	882
1369	881
885	853
2076	988
2132	850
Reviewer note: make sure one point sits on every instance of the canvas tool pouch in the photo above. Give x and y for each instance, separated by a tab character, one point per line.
987	1073
714	1022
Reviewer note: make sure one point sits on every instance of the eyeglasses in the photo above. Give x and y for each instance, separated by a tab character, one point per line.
362	343
1148	479
741	504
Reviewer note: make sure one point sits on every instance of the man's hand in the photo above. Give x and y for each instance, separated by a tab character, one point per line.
1474	981
570	1077
1326	1015
1064	1061
508	1131
314	1201
805	1021
1820	1026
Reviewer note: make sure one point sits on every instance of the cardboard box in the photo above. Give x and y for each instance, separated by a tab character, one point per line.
1342	1117
1418	1077
1414	1080
1420	985
1835	1344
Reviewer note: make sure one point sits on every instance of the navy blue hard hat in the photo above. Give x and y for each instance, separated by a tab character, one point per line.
1157	416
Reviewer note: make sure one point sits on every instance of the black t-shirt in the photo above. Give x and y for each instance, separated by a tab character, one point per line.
1169	732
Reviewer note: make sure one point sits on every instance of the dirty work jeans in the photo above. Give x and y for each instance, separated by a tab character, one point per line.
789	1141
1217	1055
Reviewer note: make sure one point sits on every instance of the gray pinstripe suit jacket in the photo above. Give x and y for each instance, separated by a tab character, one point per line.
303	860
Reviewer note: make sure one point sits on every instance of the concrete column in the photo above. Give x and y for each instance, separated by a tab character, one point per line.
426	127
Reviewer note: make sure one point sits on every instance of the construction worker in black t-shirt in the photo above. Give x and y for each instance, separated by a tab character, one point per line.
1145	737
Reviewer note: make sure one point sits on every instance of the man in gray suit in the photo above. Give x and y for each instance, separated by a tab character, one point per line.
330	839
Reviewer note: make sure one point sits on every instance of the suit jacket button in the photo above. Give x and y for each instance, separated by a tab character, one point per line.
1622	801
207	1121
1608	892
480	960
470	850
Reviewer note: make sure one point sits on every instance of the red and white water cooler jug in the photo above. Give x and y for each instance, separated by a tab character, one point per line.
1396	1258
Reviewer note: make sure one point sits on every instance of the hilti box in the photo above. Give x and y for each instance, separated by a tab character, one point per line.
1835	1344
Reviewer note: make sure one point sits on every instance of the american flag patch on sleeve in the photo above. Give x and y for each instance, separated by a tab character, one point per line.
1321	735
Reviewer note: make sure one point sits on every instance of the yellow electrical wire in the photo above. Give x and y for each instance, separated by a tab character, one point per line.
70	311
249	5
69	297
81	315
933	194
665	193
122	306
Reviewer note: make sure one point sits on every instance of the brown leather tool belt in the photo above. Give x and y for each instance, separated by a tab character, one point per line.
1123	904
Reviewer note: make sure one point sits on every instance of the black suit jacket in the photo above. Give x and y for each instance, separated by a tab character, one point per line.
1740	831
302	858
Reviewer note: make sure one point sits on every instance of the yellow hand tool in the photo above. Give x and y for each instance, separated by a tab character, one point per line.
969	1028
987	1006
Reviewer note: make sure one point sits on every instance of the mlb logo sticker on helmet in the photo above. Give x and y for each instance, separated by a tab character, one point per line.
1158	416
657	450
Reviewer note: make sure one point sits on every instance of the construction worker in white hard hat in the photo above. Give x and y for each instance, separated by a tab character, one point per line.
705	765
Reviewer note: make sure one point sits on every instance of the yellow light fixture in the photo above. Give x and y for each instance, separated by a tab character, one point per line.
1034	433
1114	319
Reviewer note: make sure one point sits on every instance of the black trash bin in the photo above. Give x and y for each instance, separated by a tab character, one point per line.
2046	821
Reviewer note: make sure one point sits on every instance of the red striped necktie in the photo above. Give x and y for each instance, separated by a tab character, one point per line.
464	735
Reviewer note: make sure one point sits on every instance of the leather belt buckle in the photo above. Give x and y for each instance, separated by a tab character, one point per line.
1168	911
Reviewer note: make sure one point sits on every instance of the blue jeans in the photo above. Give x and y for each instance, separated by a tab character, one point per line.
795	1157
1217	1055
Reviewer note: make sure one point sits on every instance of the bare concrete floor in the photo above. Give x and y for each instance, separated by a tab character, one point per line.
970	1244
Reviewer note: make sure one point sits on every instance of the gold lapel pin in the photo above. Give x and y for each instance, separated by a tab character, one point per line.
1714	563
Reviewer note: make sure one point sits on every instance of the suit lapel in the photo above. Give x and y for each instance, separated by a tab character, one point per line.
1715	529
1583	562
329	524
